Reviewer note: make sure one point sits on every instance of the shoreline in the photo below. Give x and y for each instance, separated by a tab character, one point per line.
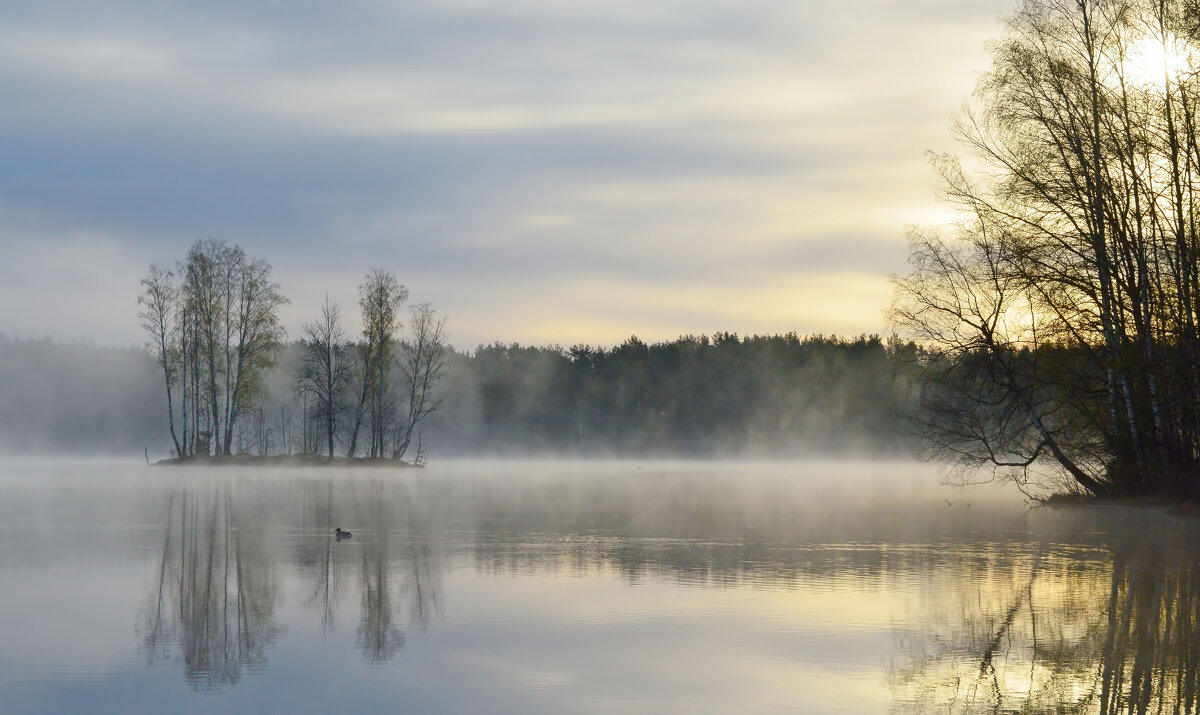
1169	505
283	460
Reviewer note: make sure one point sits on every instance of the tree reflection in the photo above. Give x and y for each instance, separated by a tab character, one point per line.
1090	632
316	551
378	636
216	594
391	564
422	567
396	544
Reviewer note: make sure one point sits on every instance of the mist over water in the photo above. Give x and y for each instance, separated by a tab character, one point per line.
553	586
781	396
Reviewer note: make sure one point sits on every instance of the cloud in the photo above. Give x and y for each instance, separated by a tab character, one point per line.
492	154
69	286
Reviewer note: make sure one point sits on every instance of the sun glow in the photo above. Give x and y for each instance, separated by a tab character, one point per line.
1153	60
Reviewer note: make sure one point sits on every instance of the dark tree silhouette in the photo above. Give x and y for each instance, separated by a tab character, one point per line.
159	300
1081	240
380	297
326	371
422	362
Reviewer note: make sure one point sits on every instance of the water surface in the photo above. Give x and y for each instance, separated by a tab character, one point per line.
550	587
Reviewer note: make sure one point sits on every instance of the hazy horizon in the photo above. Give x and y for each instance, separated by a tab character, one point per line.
530	356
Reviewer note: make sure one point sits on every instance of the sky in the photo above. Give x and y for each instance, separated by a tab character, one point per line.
541	171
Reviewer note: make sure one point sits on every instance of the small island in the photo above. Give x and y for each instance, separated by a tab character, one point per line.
216	335
286	460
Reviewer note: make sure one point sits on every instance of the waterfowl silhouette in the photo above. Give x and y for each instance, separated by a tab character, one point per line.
341	534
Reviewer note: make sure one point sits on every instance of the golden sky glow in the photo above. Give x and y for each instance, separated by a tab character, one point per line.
1151	60
541	172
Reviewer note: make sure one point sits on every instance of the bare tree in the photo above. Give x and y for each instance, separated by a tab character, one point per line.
256	335
380	297
422	361
325	370
202	306
986	401
158	301
1088	130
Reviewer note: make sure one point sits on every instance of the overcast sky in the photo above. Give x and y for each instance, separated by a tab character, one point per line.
543	171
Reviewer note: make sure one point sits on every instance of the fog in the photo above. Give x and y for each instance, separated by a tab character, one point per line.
777	396
533	586
78	398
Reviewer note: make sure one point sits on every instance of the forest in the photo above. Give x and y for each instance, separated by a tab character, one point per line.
693	396
218	376
719	396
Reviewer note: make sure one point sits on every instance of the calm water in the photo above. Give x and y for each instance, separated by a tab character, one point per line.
578	588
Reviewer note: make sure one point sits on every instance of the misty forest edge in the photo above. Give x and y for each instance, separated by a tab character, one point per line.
680	397
1056	325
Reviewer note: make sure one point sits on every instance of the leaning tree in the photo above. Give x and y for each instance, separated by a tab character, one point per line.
422	361
1061	313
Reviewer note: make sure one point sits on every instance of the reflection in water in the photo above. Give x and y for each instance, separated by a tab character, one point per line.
216	595
315	551
401	570
677	589
378	636
215	599
1112	630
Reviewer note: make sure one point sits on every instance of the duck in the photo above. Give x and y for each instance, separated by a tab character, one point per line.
341	534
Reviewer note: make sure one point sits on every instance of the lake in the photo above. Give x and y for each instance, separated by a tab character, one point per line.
581	587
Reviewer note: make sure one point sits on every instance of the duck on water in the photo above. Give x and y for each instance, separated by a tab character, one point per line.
341	534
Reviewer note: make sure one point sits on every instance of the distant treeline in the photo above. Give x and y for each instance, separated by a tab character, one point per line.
779	395
694	396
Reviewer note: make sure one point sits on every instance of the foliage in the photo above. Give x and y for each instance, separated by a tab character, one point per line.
214	336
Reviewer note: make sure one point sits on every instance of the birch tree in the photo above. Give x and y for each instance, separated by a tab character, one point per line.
422	362
158	315
223	321
380	297
1087	133
326	370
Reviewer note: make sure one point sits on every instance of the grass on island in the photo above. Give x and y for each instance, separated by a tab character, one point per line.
285	460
